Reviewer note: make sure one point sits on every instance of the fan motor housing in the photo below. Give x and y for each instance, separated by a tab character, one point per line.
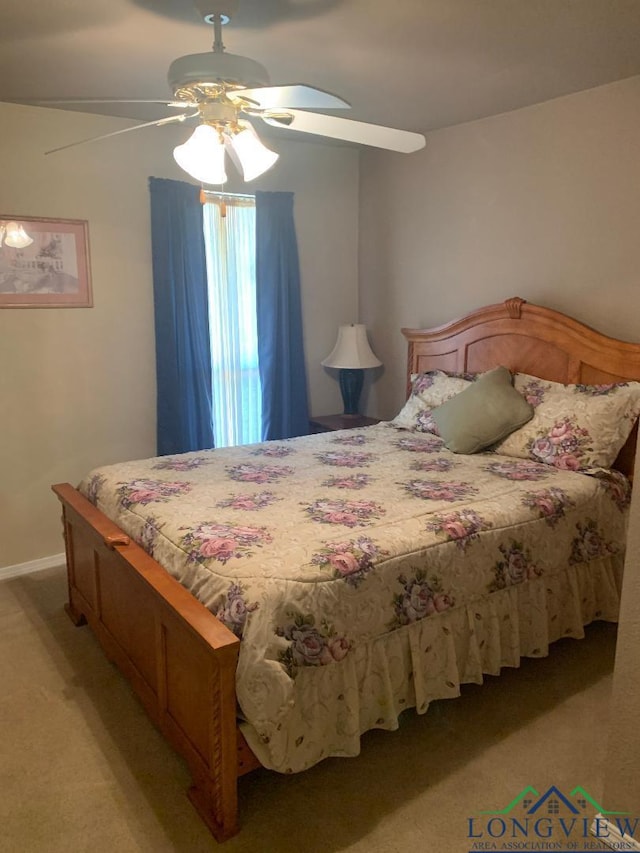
201	68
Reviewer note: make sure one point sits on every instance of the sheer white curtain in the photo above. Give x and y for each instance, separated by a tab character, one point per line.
230	242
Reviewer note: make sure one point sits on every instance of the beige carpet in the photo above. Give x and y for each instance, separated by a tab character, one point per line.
82	769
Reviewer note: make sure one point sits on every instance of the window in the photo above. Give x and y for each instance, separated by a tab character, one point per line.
181	310
230	239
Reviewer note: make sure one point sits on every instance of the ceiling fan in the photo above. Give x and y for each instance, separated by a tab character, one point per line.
220	91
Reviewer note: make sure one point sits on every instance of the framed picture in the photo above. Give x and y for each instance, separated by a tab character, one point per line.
44	263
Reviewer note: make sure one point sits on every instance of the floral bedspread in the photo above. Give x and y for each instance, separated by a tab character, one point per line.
323	552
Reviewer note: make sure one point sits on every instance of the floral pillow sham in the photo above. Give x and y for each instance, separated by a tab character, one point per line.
574	426
429	390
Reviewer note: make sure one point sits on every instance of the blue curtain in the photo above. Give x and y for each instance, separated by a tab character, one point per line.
183	352
285	411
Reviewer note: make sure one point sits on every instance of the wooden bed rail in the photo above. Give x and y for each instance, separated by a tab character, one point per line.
180	660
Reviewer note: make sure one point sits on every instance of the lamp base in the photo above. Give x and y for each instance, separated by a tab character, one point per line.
351	380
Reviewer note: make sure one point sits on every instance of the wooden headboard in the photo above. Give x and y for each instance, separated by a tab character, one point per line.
527	339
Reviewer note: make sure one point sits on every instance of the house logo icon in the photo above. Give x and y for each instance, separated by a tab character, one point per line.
553	820
553	801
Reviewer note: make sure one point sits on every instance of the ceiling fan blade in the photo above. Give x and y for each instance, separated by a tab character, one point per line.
297	96
348	130
54	101
157	123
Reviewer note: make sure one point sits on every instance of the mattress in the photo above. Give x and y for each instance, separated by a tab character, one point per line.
368	571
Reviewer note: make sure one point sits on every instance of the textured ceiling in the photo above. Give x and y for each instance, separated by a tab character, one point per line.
413	64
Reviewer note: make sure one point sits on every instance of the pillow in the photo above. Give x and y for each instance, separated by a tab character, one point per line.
429	390
574	426
483	414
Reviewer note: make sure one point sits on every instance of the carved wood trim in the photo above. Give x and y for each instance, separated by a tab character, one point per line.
114	539
514	307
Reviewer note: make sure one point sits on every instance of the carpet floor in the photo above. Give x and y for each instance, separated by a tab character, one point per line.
83	769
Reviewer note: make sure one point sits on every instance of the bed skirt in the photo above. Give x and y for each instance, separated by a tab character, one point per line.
412	666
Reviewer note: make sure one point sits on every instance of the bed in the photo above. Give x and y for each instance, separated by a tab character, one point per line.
344	577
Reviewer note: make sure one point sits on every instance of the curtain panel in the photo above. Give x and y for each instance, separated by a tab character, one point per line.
285	410
230	242
183	351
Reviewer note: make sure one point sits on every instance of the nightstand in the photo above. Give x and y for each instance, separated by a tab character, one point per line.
329	423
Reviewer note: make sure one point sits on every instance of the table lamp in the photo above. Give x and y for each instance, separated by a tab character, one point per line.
352	355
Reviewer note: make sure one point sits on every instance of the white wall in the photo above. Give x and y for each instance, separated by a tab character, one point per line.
542	203
77	385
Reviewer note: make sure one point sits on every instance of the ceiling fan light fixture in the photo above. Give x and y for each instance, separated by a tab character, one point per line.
223	86
246	149
202	155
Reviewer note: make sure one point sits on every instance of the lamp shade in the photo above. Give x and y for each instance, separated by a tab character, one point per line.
202	155
352	349
254	157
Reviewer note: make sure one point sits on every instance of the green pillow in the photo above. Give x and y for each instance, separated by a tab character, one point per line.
482	414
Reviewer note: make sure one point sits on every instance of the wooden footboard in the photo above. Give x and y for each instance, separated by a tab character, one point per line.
180	660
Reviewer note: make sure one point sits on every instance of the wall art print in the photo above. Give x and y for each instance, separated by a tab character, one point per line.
52	270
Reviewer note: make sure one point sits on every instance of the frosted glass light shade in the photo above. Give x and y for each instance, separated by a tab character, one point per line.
15	236
202	155
254	157
352	349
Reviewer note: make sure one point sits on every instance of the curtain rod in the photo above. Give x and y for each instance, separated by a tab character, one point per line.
206	195
223	200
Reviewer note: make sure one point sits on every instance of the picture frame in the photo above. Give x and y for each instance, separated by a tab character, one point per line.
44	263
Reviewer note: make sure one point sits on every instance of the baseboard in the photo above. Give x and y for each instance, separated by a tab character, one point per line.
18	569
615	839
